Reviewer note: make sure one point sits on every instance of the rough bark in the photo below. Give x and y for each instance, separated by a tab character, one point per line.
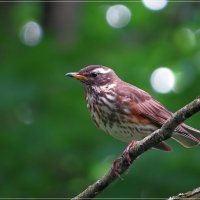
194	194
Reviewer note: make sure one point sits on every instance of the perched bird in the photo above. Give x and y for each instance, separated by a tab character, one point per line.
125	111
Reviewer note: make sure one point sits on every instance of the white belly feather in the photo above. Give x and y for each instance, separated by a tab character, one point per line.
120	128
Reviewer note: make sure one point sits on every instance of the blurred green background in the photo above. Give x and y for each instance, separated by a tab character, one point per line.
49	146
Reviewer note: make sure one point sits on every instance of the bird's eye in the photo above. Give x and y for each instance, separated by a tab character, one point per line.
93	74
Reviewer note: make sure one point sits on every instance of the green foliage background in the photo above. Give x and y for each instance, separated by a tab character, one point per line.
60	151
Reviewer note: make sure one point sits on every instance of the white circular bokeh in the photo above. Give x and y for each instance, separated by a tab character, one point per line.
118	16
155	4
31	33
163	80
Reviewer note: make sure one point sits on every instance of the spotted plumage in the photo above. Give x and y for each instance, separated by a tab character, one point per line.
125	111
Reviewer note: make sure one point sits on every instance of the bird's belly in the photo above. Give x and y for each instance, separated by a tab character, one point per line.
127	132
119	125
121	128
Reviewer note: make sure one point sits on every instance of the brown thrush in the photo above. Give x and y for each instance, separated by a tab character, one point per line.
125	111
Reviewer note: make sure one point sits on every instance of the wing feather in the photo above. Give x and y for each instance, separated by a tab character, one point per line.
147	107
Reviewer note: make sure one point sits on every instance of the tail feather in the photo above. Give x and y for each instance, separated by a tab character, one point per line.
184	141
187	136
192	131
163	146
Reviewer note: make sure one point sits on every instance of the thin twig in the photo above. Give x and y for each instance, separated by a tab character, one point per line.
148	142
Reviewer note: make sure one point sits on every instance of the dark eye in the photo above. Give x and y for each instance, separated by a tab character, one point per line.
93	74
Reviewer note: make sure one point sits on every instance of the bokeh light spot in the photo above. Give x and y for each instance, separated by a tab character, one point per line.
118	16
163	80
185	39
185	75
31	33
155	4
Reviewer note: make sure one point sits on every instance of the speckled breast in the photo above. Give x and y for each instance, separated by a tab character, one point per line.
104	112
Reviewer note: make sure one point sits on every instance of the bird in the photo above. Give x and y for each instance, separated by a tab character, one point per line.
125	111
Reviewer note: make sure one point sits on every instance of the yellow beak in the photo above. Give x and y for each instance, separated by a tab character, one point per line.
76	75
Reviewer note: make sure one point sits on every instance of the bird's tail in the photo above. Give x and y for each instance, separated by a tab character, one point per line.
192	131
186	135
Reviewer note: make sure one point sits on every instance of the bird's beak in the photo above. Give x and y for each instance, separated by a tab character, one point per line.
76	75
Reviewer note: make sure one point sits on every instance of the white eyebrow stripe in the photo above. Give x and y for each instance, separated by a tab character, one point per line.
102	71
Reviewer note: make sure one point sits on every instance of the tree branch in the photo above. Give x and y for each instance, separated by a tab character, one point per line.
140	147
194	194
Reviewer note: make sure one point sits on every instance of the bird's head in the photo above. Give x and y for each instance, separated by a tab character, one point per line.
94	75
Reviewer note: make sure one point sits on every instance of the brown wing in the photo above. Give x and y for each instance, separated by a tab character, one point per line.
154	111
137	99
147	109
144	105
151	109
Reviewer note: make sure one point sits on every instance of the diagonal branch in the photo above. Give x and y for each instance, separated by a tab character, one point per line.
140	147
194	194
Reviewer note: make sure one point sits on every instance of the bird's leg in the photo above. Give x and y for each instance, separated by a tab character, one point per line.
114	170
126	153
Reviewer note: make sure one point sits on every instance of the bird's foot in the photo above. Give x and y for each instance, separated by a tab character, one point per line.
126	153
114	169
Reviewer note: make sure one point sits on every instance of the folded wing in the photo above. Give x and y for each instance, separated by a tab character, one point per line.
151	109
